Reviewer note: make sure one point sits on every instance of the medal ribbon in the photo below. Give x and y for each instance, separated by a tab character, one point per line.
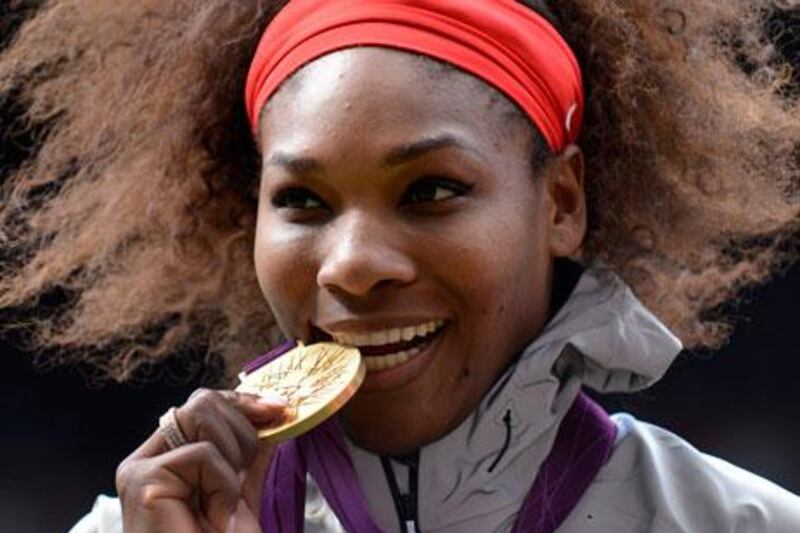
582	446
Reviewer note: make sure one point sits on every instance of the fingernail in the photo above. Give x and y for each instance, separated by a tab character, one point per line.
271	398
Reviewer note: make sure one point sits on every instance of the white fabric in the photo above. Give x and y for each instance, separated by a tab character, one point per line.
656	482
105	517
604	339
601	337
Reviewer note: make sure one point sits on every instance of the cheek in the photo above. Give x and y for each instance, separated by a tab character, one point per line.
502	267
508	295
286	274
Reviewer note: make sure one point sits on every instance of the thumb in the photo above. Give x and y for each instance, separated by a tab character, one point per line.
254	476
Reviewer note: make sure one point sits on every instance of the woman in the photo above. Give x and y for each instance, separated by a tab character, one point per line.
421	195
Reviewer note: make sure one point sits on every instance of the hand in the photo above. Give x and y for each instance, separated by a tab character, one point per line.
212	483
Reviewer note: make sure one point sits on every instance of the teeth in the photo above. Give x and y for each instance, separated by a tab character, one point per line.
374	363
387	336
378	338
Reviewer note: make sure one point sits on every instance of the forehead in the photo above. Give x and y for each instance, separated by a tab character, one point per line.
384	91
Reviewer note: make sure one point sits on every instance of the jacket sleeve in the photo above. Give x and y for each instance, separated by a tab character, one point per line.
105	517
657	482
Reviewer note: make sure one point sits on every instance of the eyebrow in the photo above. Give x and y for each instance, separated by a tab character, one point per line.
408	152
295	165
404	153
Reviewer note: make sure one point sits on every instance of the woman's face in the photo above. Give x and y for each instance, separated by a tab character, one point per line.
398	213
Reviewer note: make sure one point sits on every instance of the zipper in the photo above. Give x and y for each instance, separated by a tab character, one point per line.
404	503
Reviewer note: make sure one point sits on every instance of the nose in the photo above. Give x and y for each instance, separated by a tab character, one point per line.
363	254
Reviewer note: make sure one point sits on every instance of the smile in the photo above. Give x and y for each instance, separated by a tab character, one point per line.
388	348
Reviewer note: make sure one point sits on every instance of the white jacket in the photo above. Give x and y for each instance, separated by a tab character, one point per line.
602	339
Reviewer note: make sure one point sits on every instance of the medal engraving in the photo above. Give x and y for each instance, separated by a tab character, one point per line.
315	380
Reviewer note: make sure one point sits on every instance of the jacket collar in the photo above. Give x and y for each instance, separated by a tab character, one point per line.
602	337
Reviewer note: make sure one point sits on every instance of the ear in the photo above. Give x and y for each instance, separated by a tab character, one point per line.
568	202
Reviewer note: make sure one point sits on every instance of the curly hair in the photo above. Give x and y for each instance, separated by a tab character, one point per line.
130	208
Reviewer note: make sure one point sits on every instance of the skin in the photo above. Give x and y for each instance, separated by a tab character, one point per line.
367	239
213	483
458	230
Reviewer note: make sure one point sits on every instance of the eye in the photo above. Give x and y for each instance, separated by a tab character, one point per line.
433	189
297	198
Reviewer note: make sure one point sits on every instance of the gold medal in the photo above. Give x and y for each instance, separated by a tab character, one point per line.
315	380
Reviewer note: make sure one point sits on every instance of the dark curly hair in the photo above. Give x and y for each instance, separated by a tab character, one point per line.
131	206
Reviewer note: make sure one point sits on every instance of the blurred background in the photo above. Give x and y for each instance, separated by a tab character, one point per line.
62	434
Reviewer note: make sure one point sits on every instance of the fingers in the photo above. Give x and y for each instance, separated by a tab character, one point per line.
161	487
214	417
225	418
218	483
256	408
254	480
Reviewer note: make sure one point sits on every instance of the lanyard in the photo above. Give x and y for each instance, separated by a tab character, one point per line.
405	503
582	446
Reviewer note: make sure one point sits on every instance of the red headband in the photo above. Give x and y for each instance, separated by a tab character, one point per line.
500	41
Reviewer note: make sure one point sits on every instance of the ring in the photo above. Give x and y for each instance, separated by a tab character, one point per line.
168	424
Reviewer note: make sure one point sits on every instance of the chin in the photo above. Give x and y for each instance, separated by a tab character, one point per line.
381	431
398	427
